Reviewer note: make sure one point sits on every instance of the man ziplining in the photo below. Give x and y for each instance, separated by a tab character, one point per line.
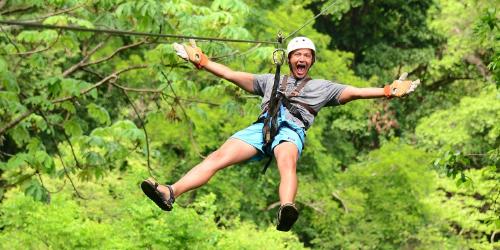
301	98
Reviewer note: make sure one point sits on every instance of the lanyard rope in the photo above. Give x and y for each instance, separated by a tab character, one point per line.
271	126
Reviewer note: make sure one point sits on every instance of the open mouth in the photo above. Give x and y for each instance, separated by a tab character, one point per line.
301	68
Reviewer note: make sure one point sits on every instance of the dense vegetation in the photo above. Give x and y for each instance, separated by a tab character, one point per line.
415	173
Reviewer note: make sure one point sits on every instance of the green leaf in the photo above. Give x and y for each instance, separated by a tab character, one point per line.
98	113
57	20
68	106
54	86
93	94
81	22
37	192
94	159
40	101
34	145
7	79
96	141
20	135
71	86
45	162
16	161
72	127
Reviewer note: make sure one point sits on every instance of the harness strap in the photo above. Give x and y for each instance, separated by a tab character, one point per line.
297	90
283	84
295	111
305	106
282	87
271	126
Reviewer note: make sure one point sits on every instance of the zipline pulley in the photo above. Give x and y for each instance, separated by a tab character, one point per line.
279	52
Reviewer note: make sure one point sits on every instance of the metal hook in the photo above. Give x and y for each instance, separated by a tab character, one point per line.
281	53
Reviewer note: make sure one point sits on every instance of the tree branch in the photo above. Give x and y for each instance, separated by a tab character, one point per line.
199	101
19	181
66	172
10	40
150	170
55	13
114	53
65	136
27	113
14	122
112	76
190	100
157	91
337	198
46	189
481	67
137	90
27	53
176	101
447	80
85	58
2	3
92	72
418	69
6	12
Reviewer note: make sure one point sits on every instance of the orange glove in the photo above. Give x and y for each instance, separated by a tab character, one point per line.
401	87
191	53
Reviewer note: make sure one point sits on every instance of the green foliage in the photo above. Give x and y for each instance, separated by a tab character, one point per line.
474	126
472	209
382	200
115	215
383	35
68	131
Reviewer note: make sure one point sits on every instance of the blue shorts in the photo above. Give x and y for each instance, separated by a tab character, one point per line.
288	131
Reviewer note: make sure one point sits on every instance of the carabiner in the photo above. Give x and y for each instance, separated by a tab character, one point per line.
279	56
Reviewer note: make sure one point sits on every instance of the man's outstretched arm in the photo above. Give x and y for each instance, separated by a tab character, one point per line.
352	93
398	88
194	54
243	80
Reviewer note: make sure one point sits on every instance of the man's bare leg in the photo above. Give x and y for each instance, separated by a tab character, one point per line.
231	152
287	154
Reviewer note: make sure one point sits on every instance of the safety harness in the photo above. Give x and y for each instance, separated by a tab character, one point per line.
271	120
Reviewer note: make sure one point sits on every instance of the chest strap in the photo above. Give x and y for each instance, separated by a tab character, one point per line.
297	90
291	104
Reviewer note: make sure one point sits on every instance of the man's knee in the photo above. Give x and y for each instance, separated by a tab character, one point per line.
286	156
218	156
286	150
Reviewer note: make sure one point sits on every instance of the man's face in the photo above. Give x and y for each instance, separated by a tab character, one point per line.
300	62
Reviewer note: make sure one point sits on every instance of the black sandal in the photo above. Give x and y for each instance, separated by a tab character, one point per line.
150	188
287	216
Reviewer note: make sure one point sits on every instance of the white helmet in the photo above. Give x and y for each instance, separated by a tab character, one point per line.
300	42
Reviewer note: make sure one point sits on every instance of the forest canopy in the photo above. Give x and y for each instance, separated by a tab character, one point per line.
86	116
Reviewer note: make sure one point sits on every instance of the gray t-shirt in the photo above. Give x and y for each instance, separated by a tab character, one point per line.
317	93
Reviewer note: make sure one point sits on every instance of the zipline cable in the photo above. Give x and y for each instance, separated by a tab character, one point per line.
310	20
126	33
147	34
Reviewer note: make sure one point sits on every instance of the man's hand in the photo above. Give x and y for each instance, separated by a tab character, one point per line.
401	87
191	53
